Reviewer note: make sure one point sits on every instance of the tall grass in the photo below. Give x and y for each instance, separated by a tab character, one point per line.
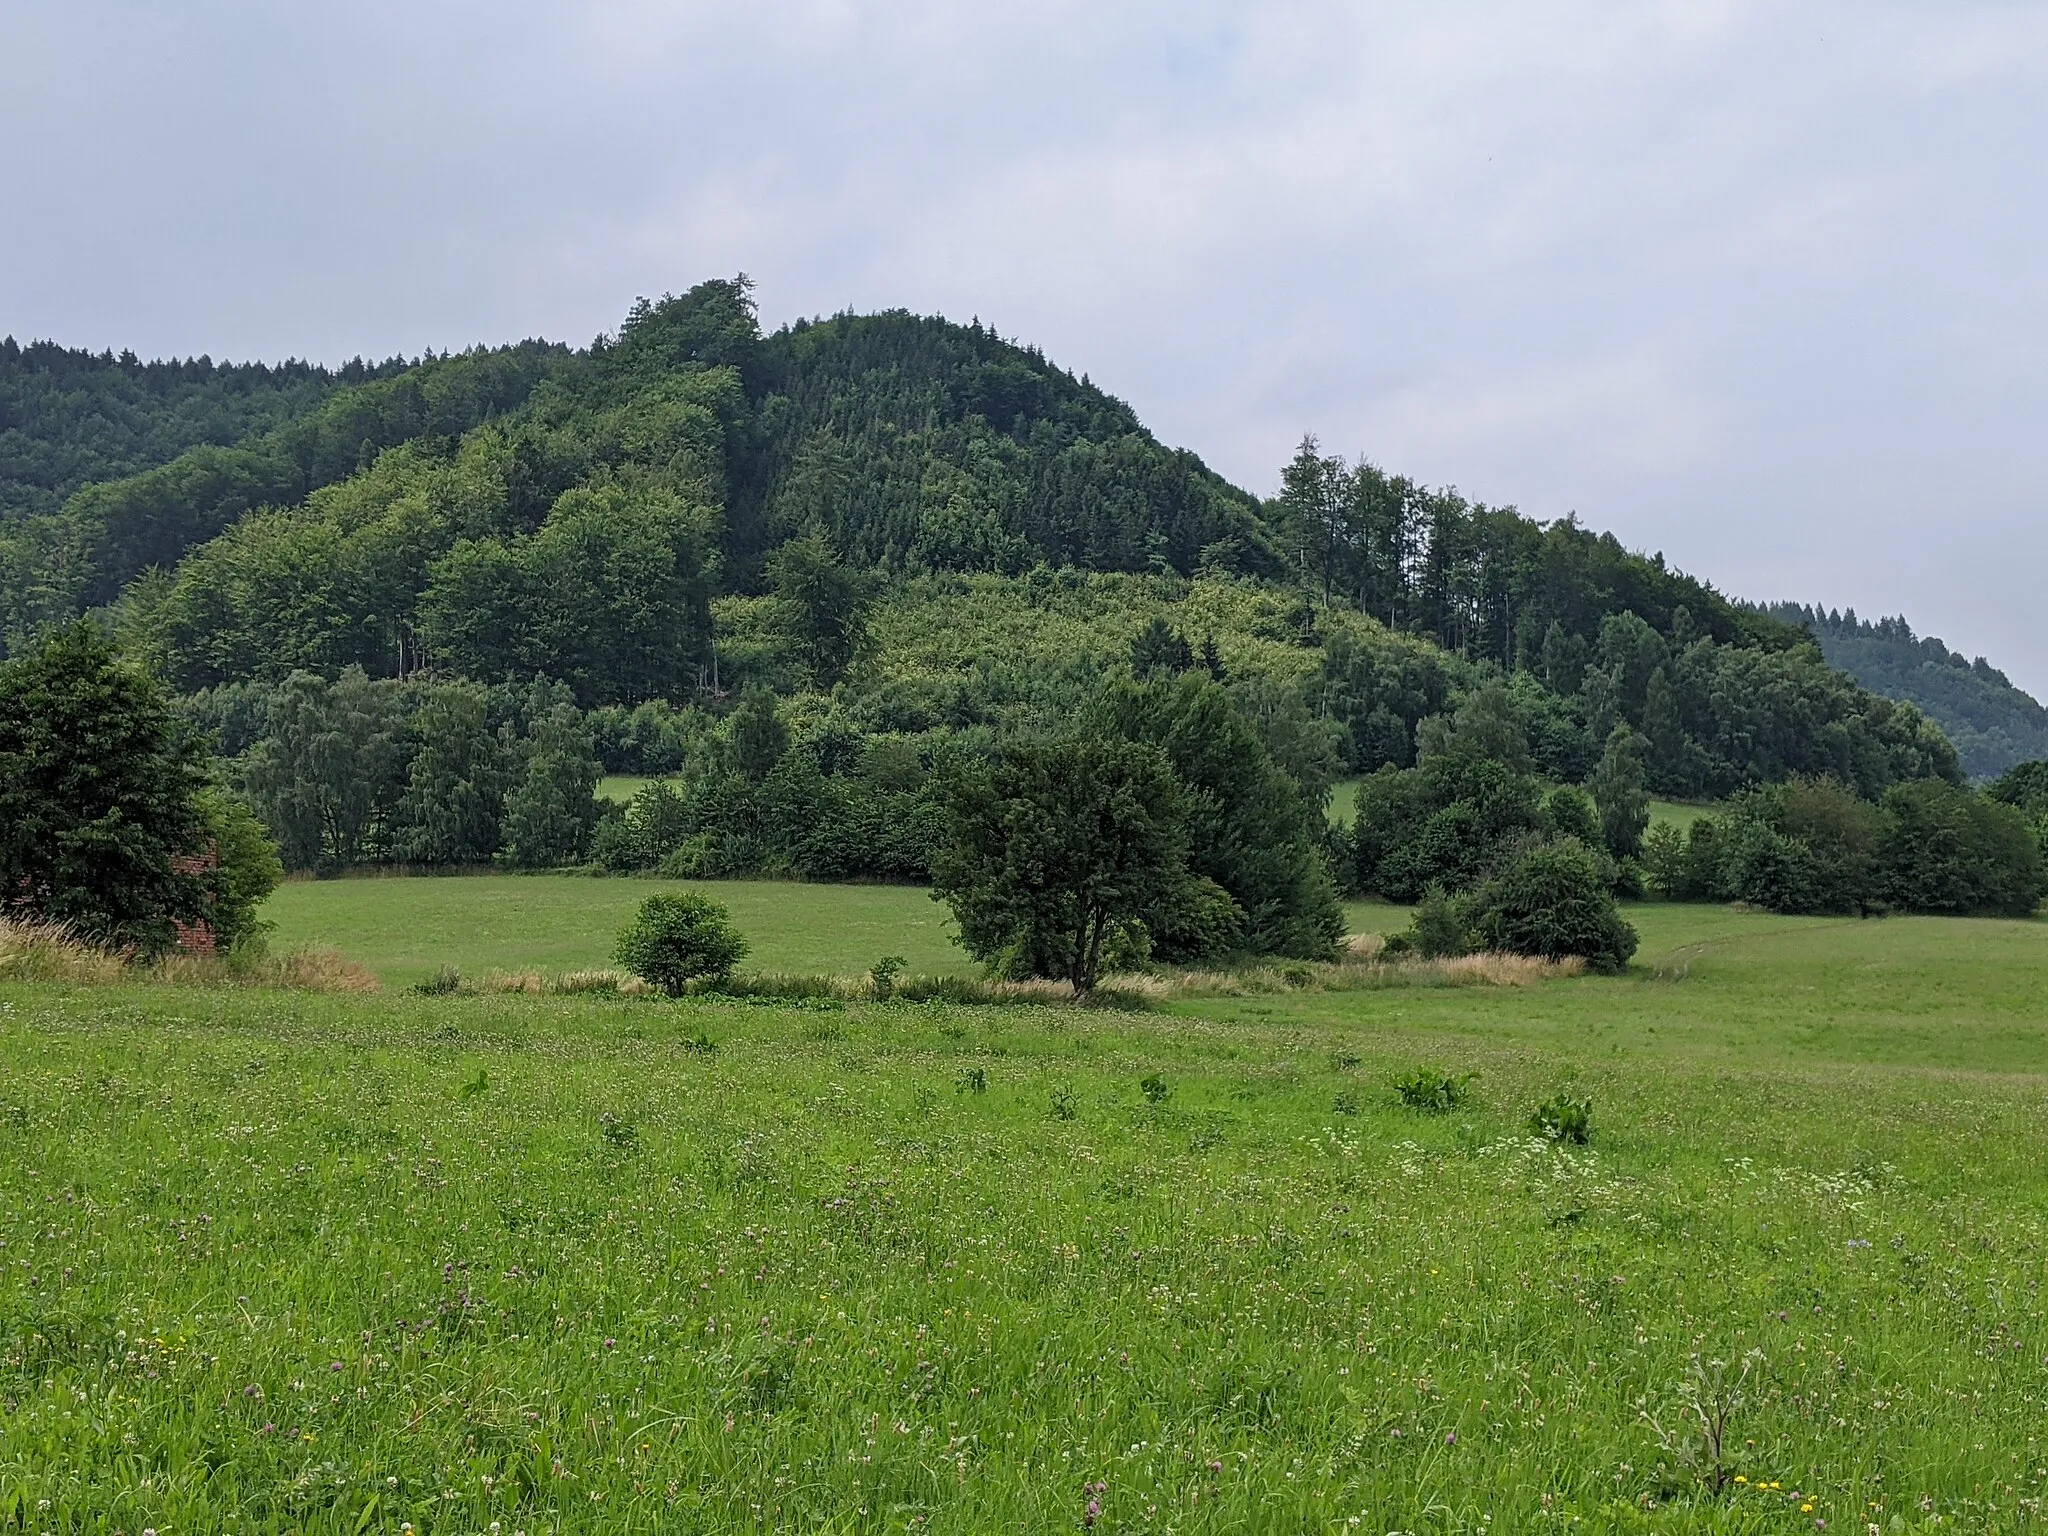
53	952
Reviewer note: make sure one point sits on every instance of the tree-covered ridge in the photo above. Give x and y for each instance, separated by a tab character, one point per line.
616	519
1993	724
69	417
54	566
916	442
1483	581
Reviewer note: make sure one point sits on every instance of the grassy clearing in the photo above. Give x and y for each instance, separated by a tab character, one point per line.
622	787
406	928
323	1264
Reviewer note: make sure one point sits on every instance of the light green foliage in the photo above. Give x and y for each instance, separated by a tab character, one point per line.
246	868
326	777
678	938
561	1222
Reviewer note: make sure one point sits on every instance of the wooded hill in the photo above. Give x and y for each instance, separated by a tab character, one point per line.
691	506
1994	725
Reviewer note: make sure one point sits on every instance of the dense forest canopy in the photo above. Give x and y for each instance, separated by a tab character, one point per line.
71	418
1994	725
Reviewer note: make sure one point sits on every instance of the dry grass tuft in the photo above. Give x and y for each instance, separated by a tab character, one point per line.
36	951
33	951
298	970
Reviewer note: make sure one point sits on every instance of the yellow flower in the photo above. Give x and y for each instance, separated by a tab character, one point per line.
1806	1509
1740	1478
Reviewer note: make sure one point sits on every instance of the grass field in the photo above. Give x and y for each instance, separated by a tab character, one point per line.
282	1262
406	928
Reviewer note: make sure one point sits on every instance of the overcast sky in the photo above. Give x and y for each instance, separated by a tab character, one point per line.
1759	286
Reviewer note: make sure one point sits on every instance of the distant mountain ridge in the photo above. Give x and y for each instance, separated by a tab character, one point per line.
1993	724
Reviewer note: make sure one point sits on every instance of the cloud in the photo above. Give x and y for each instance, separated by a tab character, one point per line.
1755	285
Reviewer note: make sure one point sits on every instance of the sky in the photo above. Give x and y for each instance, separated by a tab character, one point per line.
1759	286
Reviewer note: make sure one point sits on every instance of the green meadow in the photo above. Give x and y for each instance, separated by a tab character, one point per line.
405	929
332	1263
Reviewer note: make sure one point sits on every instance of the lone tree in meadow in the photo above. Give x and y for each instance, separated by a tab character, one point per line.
677	939
1055	856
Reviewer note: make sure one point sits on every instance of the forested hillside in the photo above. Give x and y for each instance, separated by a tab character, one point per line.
72	418
811	569
1993	724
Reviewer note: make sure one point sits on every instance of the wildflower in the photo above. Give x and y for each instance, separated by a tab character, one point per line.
1451	1438
1806	1509
334	1365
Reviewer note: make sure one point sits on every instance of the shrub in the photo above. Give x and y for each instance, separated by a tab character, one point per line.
1154	1088
1553	900
1439	928
1564	1118
445	981
884	974
1432	1092
677	939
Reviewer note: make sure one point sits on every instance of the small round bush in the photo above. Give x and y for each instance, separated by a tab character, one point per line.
677	939
1553	900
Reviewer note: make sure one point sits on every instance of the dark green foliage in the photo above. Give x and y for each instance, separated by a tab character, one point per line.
1483	581
1570	812
1431	1091
455	789
611	595
677	939
1813	846
1993	724
913	441
758	738
1056	854
70	418
329	773
1251	835
1950	851
826	605
1155	1088
102	821
550	812
1455	817
106	534
1553	900
2024	787
1618	789
1564	1118
1159	650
